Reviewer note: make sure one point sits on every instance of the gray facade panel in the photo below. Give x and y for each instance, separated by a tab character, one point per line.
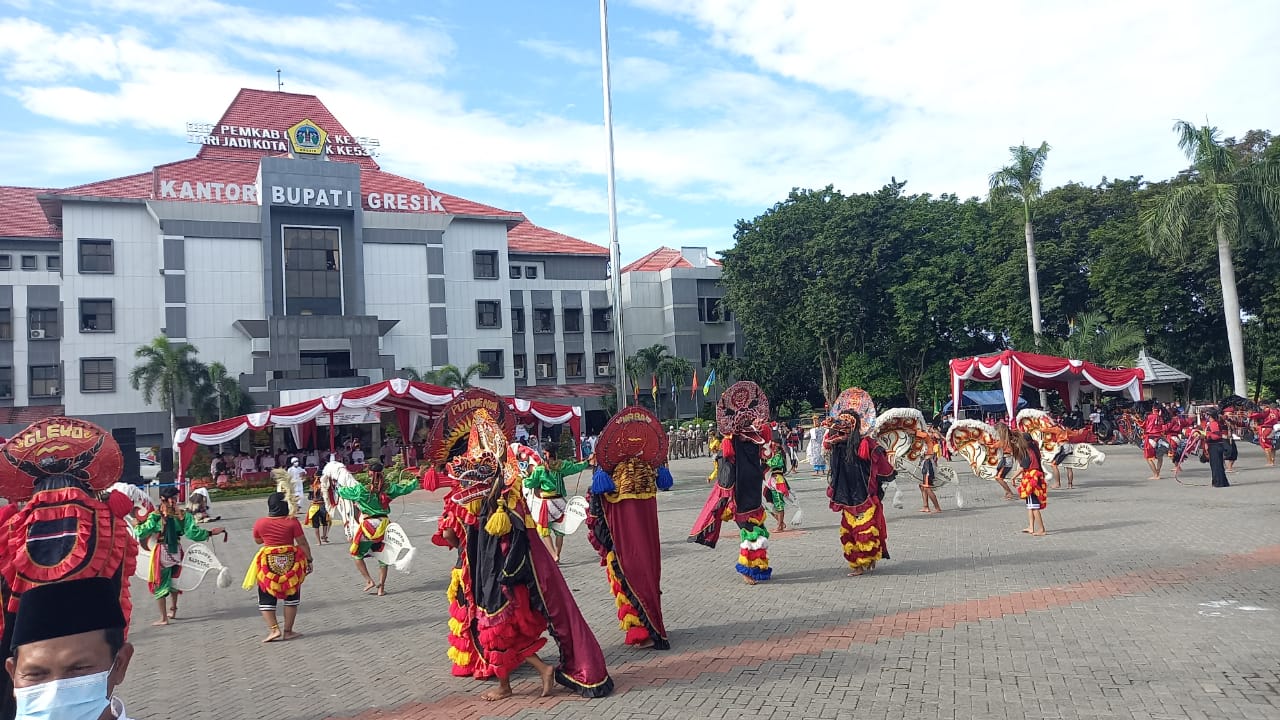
175	288
439	352
42	296
29	245
568	267
570	298
573	342
599	298
43	352
435	290
689	347
211	229
710	288
435	260
544	342
540	298
291	334
684	292
175	254
175	322
686	320
401	236
517	298
6	346
6	296
439	322
350	247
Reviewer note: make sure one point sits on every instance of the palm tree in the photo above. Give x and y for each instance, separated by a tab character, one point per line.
167	373
1020	180
1091	337
451	377
1220	192
217	393
645	363
672	371
411	374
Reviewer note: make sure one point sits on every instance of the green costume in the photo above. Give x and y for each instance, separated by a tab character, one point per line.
374	507
550	483
777	463
166	555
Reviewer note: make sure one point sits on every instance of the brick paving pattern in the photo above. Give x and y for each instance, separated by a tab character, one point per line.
1148	600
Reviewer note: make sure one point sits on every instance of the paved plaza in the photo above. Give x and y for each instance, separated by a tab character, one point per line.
1147	600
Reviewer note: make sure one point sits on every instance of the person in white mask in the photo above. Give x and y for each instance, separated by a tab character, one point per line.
68	652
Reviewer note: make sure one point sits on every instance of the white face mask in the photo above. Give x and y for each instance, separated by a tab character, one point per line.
78	698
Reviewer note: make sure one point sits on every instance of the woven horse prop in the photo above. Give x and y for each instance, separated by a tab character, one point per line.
1051	436
333	476
903	433
976	442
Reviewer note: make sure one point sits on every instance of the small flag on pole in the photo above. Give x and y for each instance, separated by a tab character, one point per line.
635	387
693	389
654	390
711	378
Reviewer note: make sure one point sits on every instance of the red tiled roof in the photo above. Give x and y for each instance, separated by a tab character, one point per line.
29	414
560	392
129	186
529	238
276	111
22	216
664	258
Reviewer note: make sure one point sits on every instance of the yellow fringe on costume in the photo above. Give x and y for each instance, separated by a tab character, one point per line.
280	583
861	540
627	616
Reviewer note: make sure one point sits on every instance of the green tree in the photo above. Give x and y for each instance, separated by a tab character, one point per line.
217	395
451	376
1094	339
1020	180
1221	190
412	374
674	371
166	374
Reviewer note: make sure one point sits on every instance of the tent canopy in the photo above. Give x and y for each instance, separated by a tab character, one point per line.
410	401
1044	372
988	401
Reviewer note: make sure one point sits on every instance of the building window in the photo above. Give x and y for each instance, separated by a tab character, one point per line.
714	350
43	323
515	272
97	316
322	365
573	320
29	262
6	324
531	272
44	381
6	263
604	364
486	264
544	320
492	361
6	382
488	314
98	375
53	263
312	271
573	365
712	310
96	256
519	362
546	366
602	320
517	319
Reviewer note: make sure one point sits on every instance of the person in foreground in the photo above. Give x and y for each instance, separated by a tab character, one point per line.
282	563
69	653
515	591
857	465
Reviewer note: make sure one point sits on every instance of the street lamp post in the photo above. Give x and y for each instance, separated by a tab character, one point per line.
615	251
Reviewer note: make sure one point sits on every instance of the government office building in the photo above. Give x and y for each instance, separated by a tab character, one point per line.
284	251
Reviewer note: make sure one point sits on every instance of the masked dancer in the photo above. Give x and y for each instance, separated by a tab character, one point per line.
859	466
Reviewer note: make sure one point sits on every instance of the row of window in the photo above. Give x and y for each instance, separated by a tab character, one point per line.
485	267
96	316
489	317
52	263
96	375
544	365
96	256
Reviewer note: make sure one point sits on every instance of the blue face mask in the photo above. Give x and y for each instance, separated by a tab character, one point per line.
78	698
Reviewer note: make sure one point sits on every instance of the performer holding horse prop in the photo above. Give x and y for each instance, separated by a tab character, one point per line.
1054	442
904	435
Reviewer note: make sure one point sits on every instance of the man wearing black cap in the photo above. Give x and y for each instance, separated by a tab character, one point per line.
68	652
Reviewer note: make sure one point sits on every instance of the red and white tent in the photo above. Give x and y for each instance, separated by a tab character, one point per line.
1044	372
410	401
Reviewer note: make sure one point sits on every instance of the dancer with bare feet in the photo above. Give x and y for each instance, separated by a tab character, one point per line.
167	526
928	474
373	497
514	590
1153	430
857	465
1032	486
738	493
282	563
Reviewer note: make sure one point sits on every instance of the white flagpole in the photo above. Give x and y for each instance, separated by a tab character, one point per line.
615	251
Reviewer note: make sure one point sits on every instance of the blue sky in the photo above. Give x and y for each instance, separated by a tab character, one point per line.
721	106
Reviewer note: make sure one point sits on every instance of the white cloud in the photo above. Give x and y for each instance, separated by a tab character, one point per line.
71	154
634	73
560	51
665	38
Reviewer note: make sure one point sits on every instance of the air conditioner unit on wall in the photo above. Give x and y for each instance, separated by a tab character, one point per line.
518	373
604	370
37	334
544	370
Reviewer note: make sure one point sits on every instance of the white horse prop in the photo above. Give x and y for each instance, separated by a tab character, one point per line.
901	431
1051	437
976	442
397	550
197	561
